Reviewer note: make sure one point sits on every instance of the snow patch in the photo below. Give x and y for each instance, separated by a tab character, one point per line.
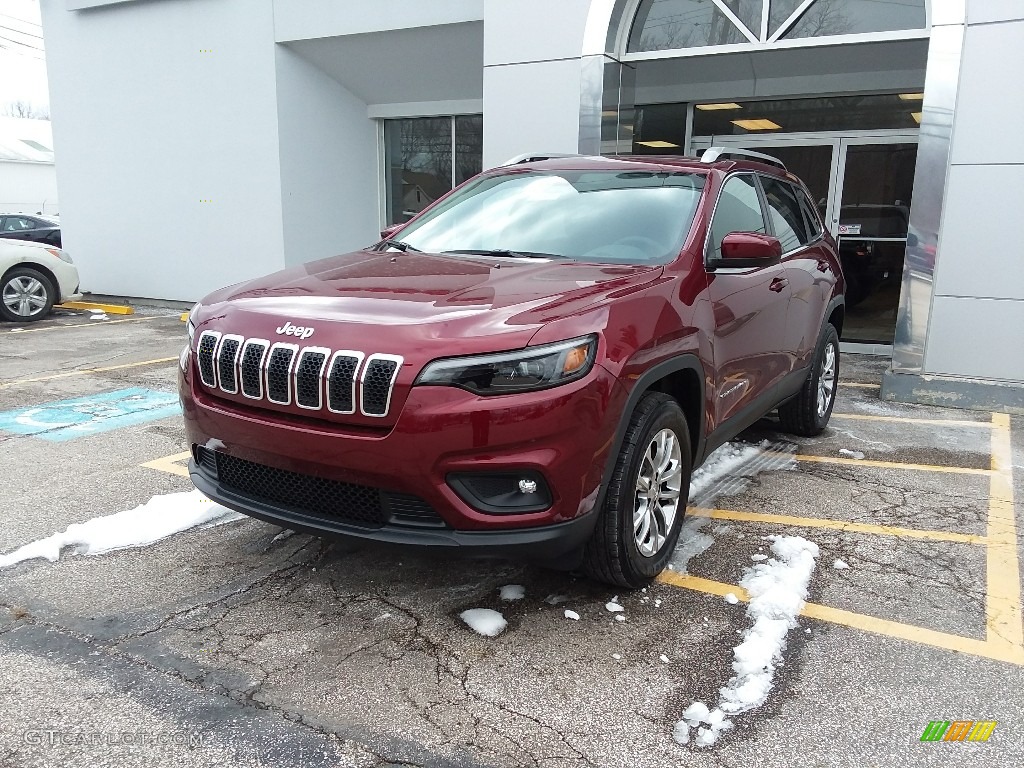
840	565
512	592
777	589
731	599
158	518
101	316
721	462
619	617
664	659
851	454
617	656
572	615
613	607
484	621
758	557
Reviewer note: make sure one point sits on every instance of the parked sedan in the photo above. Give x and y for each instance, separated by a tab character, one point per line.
34	277
39	228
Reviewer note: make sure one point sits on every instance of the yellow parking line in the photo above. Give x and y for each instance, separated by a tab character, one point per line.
907	420
1003	605
891	465
87	325
840	525
170	464
85	371
895	629
859	384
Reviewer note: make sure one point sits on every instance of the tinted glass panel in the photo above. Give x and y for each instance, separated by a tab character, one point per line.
469	142
784	211
837	113
660	129
632	217
847	17
419	158
738	210
664	24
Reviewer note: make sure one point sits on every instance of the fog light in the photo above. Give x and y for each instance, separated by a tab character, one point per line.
502	493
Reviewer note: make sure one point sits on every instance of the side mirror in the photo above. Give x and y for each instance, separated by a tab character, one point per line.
749	249
387	232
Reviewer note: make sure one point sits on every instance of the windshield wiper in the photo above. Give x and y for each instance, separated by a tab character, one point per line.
505	252
402	246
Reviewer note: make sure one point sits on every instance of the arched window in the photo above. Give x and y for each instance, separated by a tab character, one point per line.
669	24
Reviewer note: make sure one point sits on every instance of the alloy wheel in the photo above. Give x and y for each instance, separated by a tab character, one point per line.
658	486
826	379
25	296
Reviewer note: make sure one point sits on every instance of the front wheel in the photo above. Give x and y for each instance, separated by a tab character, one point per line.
808	413
646	500
25	295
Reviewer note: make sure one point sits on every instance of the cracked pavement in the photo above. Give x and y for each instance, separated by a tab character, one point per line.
232	645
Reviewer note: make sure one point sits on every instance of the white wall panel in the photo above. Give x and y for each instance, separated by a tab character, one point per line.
990	108
977	338
307	19
28	188
329	163
980	254
986	11
534	30
165	126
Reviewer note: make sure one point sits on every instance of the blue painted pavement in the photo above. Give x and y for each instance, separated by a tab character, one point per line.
82	416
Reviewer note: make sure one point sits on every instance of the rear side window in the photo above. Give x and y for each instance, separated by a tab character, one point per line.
18	224
813	221
738	210
784	211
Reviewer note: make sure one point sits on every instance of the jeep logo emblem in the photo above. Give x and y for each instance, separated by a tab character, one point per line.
295	330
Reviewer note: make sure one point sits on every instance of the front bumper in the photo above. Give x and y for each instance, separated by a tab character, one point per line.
563	433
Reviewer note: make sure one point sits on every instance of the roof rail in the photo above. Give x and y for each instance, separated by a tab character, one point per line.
727	153
530	157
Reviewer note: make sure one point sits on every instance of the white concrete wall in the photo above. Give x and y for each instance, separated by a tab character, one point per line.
330	171
978	302
165	123
28	188
308	19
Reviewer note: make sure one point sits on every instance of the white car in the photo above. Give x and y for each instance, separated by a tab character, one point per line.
34	277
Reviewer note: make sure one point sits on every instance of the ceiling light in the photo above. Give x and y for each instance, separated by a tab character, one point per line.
658	144
724	105
912	97
760	124
916	116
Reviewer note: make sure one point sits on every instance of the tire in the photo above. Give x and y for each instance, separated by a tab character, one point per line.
808	413
615	552
25	295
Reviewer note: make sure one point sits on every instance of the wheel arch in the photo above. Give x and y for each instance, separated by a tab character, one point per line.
40	269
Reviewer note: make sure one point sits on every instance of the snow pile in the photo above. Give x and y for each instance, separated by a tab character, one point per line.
484	621
572	615
777	590
512	592
692	542
613	606
158	518
851	454
721	462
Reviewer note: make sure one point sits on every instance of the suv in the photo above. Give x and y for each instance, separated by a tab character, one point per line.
532	366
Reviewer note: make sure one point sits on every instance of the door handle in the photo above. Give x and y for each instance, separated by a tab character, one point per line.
778	284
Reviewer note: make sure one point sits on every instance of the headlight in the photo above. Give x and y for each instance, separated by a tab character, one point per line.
521	370
190	325
60	255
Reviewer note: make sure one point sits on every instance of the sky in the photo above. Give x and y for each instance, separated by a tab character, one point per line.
22	69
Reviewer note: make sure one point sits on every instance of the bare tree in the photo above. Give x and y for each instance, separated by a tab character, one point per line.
23	108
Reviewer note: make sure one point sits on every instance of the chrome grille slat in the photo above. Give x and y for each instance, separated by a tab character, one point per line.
279	370
309	371
204	353
341	381
227	362
377	383
254	354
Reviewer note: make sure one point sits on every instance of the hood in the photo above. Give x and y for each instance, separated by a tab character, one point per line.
416	306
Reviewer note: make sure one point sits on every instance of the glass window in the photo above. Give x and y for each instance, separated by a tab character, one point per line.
633	217
425	157
814	228
665	24
18	223
738	210
659	129
847	17
785	214
830	113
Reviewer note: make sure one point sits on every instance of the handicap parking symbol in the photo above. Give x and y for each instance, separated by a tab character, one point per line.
81	416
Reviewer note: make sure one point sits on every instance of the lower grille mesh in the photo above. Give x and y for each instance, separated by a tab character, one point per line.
346	503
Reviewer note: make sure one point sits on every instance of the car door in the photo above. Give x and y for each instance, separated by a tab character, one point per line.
801	260
749	306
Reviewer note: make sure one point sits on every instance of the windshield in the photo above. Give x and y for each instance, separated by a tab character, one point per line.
633	217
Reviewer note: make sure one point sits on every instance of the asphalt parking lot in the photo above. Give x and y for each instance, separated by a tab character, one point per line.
240	644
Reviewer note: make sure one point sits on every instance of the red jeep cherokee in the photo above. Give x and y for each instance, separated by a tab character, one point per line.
531	366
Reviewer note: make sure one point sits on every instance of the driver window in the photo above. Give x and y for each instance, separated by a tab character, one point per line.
738	210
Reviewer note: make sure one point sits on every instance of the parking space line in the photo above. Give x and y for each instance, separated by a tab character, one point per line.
85	371
840	525
860	621
171	464
859	384
891	465
88	325
1003	606
907	420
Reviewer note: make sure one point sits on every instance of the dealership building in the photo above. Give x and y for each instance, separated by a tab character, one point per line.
204	142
